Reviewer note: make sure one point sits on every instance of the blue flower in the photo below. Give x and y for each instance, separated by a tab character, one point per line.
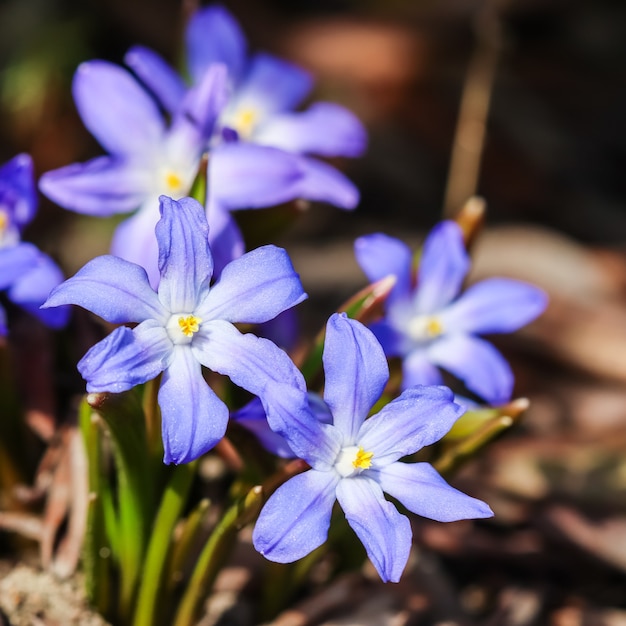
147	158
264	91
430	325
26	273
187	323
356	460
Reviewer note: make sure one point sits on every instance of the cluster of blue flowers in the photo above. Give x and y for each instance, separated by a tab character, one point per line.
184	289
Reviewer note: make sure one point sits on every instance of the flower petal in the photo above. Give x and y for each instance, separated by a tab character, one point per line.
103	186
252	417
477	363
17	190
324	183
116	109
495	305
356	373
32	288
158	76
194	419
185	260
380	255
213	35
16	261
204	102
254	288
291	414
442	269
384	532
418	370
296	518
270	175
225	238
420	488
325	128
126	358
418	417
114	289
250	362
390	339
134	240
272	85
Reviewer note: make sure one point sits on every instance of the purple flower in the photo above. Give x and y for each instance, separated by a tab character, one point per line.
264	90
147	158
430	325
26	273
186	324
356	460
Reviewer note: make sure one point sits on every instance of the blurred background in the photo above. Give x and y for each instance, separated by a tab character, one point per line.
540	88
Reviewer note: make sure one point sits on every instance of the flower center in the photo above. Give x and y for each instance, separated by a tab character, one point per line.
245	121
182	327
353	460
173	182
425	327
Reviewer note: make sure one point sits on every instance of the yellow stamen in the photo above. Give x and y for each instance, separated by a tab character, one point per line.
173	181
189	325
434	327
245	121
4	221
363	459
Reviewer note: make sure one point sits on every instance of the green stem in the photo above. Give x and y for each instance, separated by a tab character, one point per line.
172	503
96	551
217	548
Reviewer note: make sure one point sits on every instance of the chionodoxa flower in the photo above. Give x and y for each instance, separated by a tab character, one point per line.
187	323
356	460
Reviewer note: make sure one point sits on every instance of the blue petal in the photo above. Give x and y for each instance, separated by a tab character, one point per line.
270	176
252	417
194	419
418	417
495	305
16	261
160	78
418	370
385	533
103	186
185	260
254	288
356	373
114	289
422	490
272	86
380	255
442	269
477	363
250	362
32	288
134	240
17	189
225	238
324	128
390	339
214	36
204	102
296	518
126	358
324	183
117	111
